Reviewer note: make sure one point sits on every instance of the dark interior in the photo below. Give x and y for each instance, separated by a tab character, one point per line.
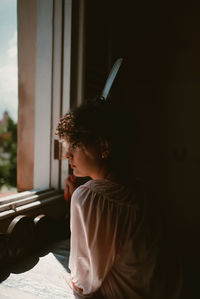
159	80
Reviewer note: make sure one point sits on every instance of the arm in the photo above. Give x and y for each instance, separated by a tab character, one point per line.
92	241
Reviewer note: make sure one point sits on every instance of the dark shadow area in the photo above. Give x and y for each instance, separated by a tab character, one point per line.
4	274
21	266
42	274
60	250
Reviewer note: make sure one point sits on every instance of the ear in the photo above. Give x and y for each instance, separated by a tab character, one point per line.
105	149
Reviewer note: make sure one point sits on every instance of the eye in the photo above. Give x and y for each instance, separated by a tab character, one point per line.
69	155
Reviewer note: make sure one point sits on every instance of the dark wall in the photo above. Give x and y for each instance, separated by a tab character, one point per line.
160	41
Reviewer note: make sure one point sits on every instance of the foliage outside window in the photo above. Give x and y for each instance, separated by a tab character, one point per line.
8	152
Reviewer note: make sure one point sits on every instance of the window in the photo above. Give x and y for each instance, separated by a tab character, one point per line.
44	88
8	96
44	64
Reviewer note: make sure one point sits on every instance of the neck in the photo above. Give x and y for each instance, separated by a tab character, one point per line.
105	173
101	173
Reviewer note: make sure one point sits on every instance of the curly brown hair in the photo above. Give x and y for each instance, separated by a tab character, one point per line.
96	121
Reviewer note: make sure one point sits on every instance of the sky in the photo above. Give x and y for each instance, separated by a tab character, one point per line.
8	58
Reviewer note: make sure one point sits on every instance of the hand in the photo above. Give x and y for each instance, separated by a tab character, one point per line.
71	284
70	186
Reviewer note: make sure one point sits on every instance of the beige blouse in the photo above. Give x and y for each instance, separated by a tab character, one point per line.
114	242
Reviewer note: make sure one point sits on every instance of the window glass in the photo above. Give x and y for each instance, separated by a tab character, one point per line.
8	96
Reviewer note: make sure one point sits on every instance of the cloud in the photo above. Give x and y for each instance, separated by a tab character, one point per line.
12	50
9	79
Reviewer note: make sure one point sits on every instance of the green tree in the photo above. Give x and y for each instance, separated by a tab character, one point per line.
8	146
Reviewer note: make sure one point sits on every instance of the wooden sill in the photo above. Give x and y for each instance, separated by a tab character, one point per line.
32	203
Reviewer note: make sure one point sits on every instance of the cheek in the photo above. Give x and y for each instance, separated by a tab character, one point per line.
86	164
92	165
86	161
82	167
92	155
80	161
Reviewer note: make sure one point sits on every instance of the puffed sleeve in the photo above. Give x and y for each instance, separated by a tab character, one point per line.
92	249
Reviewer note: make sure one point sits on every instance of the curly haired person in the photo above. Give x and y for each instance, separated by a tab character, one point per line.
116	238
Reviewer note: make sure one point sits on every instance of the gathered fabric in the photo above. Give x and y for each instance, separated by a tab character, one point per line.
115	242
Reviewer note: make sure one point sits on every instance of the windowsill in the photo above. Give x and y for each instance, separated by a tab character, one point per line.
5	194
7	191
28	201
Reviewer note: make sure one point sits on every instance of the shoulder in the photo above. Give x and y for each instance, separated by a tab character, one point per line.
91	187
87	193
84	194
105	191
86	203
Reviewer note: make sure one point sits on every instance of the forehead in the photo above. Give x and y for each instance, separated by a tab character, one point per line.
65	149
69	147
66	146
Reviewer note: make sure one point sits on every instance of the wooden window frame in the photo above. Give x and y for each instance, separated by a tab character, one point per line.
44	66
